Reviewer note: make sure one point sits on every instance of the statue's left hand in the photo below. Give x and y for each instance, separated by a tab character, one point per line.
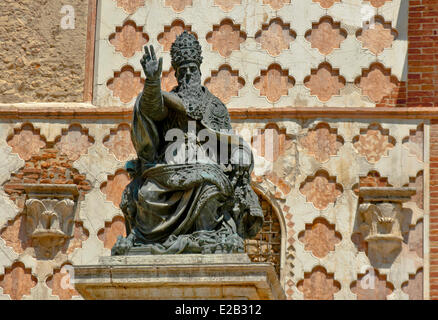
151	67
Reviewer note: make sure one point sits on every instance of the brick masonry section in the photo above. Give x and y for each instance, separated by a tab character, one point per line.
423	53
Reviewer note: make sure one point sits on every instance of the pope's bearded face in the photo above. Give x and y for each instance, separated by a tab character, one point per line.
188	75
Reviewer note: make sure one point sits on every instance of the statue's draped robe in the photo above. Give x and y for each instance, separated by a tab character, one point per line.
175	207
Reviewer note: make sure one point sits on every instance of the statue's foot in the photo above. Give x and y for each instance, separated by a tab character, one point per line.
122	246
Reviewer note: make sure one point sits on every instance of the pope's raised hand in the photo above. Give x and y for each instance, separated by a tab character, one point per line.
151	67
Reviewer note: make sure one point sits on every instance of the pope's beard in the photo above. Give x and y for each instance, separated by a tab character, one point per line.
189	88
191	93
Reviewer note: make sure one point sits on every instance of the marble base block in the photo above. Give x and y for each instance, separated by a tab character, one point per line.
184	276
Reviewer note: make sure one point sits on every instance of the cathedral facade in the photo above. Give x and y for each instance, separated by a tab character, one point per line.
337	99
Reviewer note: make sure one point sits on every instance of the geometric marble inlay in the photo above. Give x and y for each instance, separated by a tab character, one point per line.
271	142
224	83
130	6
373	142
322	141
326	3
318	285
324	82
278	182
178	5
320	237
226	37
290	285
376	82
372	179
17	281
80	235
114	186
415	238
359	241
418	183
371	286
321	189
15	235
276	4
128	39
170	33
378	37
377	3
119	142
126	84
26	141
326	35
415	142
275	36
61	283
108	235
227	5
414	287
74	142
274	82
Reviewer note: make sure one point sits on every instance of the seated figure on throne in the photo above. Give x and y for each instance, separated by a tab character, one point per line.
186	196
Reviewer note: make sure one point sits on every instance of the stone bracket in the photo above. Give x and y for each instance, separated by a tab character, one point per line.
49	210
384	221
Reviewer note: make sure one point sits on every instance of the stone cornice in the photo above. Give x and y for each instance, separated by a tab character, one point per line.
335	113
89	111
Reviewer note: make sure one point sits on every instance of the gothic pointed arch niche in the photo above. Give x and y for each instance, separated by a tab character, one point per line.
270	243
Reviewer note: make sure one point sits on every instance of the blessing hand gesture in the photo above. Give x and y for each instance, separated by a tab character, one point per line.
152	68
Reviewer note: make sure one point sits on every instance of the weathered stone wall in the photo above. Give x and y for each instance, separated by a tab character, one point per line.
40	61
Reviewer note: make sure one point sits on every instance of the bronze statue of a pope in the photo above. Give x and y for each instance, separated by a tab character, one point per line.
190	190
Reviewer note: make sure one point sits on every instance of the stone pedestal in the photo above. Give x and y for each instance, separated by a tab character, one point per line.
187	276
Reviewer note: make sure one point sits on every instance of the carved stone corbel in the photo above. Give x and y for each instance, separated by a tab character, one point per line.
49	216
384	221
